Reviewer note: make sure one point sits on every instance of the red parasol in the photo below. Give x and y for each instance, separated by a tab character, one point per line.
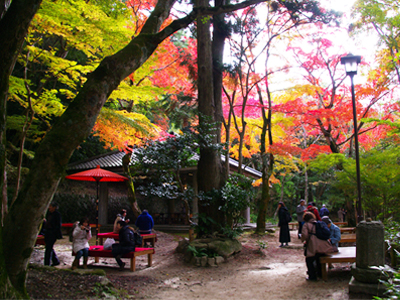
98	175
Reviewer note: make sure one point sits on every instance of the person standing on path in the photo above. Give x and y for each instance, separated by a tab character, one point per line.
313	209
300	212
344	212
324	211
52	230
284	219
340	215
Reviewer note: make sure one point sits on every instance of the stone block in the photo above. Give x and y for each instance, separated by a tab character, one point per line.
203	261
211	261
219	260
197	261
357	287
370	249
371	275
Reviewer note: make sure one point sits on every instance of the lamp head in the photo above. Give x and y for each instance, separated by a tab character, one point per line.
350	63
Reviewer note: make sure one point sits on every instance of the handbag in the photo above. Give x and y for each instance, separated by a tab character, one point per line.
108	244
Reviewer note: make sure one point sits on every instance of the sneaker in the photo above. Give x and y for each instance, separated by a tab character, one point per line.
55	264
281	245
311	279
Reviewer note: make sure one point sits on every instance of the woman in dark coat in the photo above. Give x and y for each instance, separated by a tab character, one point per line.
284	234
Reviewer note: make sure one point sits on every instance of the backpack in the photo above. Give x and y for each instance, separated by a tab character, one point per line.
138	238
322	230
288	217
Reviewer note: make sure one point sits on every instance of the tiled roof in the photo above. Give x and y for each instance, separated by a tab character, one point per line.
113	160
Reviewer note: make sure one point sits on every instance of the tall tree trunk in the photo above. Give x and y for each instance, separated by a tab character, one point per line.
209	165
14	23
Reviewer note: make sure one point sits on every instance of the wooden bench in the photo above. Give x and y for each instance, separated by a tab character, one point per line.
293	225
345	254
347	229
348	238
152	237
340	223
98	251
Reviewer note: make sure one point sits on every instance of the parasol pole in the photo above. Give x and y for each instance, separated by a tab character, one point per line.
97	211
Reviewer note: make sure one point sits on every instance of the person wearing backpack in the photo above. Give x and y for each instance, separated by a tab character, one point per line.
126	243
80	242
284	219
314	246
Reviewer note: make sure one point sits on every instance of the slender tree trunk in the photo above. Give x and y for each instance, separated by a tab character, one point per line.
131	187
267	163
282	187
305	184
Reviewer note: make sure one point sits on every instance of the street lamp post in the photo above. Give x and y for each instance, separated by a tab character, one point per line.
351	64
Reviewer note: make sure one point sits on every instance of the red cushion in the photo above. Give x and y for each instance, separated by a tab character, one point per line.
40	240
98	251
109	235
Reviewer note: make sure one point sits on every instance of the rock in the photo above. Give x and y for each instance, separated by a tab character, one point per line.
197	261
225	247
203	261
219	260
188	256
182	246
211	261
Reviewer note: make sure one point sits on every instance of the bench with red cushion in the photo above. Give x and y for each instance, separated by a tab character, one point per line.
151	236
40	240
98	251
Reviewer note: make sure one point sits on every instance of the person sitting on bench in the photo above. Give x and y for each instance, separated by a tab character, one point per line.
120	217
144	222
126	243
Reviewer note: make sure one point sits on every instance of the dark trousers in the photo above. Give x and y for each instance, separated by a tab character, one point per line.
314	266
300	227
49	253
117	251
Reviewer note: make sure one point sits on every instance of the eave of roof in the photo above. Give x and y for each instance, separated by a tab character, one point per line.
113	161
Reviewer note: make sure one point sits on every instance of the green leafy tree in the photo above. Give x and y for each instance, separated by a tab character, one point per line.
384	18
161	164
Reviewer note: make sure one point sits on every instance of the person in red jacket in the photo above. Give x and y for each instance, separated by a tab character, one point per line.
311	208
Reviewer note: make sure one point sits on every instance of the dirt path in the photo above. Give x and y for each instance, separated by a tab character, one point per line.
274	273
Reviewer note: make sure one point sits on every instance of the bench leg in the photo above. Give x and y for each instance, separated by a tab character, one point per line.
133	264
153	241
323	272
96	259
150	259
